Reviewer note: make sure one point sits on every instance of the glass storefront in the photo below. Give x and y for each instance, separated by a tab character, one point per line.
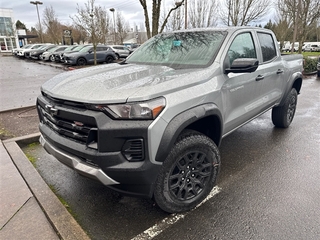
8	40
7	43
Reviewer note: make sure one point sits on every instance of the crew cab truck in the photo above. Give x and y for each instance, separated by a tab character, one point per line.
151	125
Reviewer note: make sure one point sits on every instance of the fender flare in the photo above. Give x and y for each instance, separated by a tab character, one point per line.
296	83
183	120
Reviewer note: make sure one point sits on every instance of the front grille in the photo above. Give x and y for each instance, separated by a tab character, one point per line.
69	124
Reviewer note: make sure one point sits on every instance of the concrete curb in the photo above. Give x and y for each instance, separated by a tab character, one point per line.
62	221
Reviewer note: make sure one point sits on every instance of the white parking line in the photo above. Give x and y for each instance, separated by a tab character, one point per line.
155	230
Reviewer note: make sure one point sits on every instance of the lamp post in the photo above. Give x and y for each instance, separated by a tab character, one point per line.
38	3
114	24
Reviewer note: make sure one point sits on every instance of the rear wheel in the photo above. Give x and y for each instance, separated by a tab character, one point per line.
109	59
81	61
282	116
188	174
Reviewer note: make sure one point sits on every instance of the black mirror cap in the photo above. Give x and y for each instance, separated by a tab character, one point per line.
243	65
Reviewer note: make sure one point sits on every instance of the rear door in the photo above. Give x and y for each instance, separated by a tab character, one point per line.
271	69
101	53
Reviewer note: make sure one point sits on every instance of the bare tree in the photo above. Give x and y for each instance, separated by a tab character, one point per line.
303	14
242	12
156	7
203	13
94	20
122	28
53	27
176	21
79	35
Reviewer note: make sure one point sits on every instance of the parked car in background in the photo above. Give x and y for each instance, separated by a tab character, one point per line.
121	51
58	53
86	56
35	54
59	57
312	48
15	50
22	52
49	55
132	47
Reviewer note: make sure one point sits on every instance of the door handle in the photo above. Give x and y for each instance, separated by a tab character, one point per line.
280	71
259	77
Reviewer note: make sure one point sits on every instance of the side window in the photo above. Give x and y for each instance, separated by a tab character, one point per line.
242	47
268	48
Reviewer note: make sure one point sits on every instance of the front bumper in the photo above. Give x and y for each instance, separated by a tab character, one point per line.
93	144
76	164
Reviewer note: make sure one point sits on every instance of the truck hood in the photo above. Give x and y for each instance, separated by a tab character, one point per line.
115	83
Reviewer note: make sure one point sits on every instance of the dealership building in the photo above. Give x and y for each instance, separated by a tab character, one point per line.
8	36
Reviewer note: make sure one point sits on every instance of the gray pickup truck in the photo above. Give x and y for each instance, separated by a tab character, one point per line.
151	125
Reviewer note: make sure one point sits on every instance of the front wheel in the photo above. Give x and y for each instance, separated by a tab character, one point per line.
282	116
52	58
81	62
188	174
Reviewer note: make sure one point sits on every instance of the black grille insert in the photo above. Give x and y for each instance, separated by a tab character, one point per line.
69	126
133	150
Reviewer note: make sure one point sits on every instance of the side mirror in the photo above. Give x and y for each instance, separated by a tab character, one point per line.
243	65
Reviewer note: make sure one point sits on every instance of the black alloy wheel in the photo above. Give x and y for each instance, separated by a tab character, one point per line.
188	174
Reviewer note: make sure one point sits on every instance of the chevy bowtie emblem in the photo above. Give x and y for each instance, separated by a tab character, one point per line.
51	110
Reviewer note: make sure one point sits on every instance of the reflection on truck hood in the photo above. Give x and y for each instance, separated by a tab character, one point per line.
114	83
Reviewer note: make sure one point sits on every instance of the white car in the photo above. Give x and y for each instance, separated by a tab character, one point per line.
15	50
120	51
22	51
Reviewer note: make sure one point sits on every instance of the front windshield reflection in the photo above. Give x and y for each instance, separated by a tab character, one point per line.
179	49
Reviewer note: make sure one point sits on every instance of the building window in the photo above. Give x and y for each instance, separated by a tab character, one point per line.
6	26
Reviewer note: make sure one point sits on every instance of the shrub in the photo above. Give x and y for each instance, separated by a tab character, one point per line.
310	65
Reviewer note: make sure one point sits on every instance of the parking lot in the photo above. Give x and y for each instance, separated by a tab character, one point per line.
268	186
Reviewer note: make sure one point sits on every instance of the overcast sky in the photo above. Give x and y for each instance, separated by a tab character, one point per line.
131	9
27	13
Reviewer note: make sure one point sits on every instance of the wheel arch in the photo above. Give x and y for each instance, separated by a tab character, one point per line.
297	84
205	119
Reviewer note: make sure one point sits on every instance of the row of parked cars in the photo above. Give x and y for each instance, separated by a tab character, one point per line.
72	54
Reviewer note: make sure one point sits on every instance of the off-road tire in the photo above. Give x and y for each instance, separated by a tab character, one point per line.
282	116
188	174
81	61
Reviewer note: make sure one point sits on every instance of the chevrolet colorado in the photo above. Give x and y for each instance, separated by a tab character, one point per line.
151	125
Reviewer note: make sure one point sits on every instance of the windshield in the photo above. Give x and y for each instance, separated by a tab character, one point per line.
86	49
70	48
78	48
180	49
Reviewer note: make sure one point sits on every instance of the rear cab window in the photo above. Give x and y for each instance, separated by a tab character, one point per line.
268	48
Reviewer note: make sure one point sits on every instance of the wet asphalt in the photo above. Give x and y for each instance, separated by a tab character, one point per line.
269	186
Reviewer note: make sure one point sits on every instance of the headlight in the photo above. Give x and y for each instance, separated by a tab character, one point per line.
147	110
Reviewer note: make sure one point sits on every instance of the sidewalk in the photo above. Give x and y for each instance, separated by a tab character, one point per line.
28	208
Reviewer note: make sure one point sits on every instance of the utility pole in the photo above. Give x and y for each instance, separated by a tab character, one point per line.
114	24
38	3
185	14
